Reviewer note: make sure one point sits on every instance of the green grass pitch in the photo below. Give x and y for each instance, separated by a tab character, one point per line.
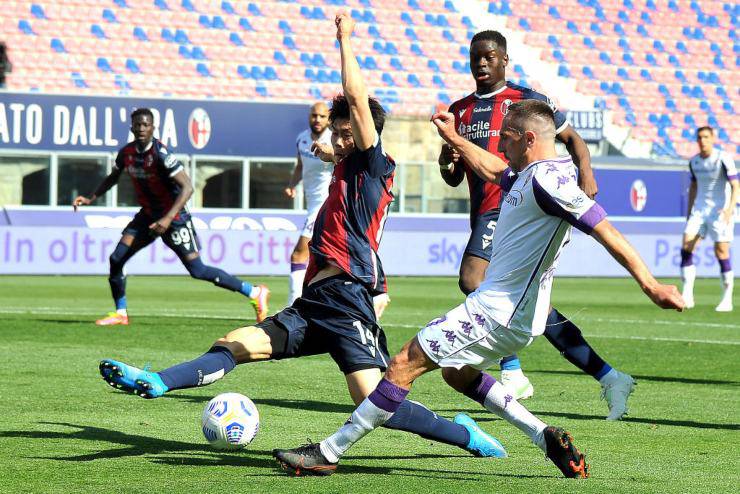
64	430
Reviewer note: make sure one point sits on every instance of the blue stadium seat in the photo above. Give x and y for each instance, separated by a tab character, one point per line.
202	69
459	66
411	34
432	64
373	31
413	4
596	29
679	75
681	46
198	53
25	27
622	72
617	89
161	4
140	34
205	21
624	44
673	6
713	78
563	71
227	7
467	22
335	77
572	27
553	11
305	59
236	39
279	57
437	81
388	79
444	97
132	66
650	58
306	11
104	65
605	87
446	34
254	10
448	5
356	15
442	21
618	29
38	11
396	64
430	19
289	42
371	63
416	50
686	90
270	73
687	134
314	92
589	43
218	22
524	24
604	57
518	69
599	13
181	37
642	31
622	15
57	45
651	5
322	76
79	81
553	41
244	24
645	17
310	74
588	72
413	80
558	55
284	26
627	57
167	35
717	61
257	73
697	92
188	5
318	60
406	17
185	52
318	14
109	16
97	31
645	74
262	90
390	48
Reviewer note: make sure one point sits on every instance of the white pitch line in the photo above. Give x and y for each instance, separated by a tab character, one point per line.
174	314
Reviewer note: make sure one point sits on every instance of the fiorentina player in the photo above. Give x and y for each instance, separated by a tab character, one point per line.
162	188
510	308
713	196
314	164
478	119
335	313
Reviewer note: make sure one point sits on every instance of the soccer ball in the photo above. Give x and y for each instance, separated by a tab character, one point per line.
230	421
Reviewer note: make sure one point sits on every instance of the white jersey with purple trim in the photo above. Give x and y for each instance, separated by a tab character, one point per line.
316	173
712	176
540	205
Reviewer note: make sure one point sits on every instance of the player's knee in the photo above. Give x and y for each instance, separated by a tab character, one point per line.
117	258
247	344
453	378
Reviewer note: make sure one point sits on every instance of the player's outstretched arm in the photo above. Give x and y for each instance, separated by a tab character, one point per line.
363	127
487	166
664	296
450	166
581	156
104	186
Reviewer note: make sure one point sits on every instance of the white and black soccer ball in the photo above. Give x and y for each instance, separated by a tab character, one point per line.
230	421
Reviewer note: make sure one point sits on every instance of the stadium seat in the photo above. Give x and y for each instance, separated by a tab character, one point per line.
104	65
38	11
253	10
140	34
236	39
227	7
181	37
202	70
109	16
188	5
161	4
204	21
25	27
97	31
57	45
132	66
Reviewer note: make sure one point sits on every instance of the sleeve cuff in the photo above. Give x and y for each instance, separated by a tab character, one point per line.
590	218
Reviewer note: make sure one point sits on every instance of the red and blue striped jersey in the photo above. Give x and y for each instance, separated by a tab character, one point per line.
350	224
478	118
151	171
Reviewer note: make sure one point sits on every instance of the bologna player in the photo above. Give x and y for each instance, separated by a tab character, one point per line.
510	308
335	313
478	119
713	196
162	188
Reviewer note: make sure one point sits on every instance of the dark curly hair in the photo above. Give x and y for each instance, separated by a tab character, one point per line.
142	111
340	109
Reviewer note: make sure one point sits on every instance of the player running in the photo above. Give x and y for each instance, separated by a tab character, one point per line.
162	188
335	313
542	202
713	196
478	119
314	164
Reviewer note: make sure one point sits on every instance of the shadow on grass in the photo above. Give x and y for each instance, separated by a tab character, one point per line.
663	379
308	405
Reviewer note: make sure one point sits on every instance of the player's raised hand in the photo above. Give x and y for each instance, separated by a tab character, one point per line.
666	297
448	155
587	183
324	152
81	201
345	24
290	192
445	123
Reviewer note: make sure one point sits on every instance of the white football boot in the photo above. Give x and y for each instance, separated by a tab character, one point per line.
616	395
517	384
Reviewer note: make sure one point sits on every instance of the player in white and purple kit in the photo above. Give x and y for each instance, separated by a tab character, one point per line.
316	176
542	202
713	195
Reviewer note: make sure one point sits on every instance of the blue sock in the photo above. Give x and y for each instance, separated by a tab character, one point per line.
246	288
567	338
415	417
510	363
604	371
121	303
209	367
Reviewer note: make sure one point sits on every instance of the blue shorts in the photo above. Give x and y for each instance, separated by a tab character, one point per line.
480	243
180	236
334	316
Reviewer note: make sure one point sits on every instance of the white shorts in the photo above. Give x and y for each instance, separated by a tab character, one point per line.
703	223
461	338
310	220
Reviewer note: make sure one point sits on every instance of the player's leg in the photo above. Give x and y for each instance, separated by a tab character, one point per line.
727	276
135	237
691	236
298	265
414	417
567	338
183	240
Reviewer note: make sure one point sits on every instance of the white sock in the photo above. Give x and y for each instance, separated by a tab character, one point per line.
728	283
609	378
516	374
688	275
295	285
363	420
122	312
254	292
500	402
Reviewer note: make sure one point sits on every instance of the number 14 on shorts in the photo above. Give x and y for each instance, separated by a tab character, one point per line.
367	337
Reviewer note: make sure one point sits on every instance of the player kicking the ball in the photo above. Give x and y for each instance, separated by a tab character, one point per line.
162	188
335	313
542	202
713	196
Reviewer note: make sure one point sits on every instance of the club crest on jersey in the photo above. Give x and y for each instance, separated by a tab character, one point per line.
148	160
638	195
199	128
505	104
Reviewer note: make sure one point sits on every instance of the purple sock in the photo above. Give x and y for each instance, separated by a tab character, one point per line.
387	396
479	388
687	259
298	266
724	265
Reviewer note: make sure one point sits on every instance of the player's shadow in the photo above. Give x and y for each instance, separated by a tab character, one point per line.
308	405
662	379
133	445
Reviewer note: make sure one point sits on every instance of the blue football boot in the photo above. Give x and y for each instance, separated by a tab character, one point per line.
131	379
481	443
